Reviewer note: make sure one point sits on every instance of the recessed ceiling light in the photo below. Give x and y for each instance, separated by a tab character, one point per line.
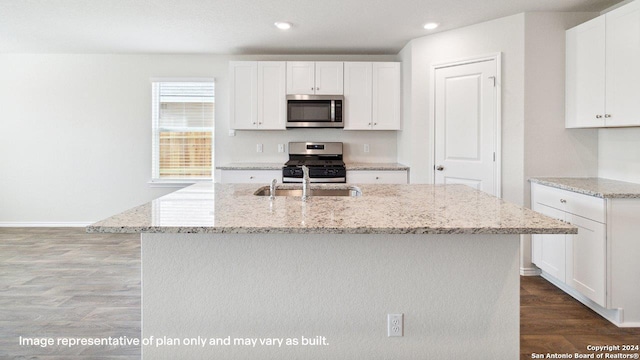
283	25
431	26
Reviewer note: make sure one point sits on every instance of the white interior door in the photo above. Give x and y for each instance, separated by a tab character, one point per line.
466	125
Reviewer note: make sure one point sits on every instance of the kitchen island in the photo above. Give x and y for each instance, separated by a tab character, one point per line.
316	279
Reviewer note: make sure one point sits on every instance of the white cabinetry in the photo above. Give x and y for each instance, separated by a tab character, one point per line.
319	78
272	99
377	176
257	95
243	99
358	95
586	258
372	95
577	260
549	250
250	176
601	261
386	96
602	72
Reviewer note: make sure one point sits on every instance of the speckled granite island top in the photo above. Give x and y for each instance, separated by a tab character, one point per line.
382	209
599	187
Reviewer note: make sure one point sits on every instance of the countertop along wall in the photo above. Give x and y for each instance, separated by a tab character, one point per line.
76	131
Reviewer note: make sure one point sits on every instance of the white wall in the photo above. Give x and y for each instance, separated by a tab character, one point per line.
619	154
534	140
549	148
75	142
505	35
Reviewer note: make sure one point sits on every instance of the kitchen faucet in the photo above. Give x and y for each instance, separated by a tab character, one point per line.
272	189
305	183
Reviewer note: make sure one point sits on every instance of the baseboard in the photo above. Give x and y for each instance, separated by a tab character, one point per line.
534	271
28	224
615	316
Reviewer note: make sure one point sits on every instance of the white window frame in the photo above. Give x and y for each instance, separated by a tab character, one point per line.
155	150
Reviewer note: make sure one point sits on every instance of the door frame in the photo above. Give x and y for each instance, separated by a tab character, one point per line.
497	146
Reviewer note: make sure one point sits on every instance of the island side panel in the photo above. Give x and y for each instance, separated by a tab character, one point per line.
459	295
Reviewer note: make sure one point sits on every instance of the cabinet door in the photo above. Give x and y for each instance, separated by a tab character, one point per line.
243	110
329	78
623	66
300	78
357	95
272	98
585	74
548	251
386	96
586	258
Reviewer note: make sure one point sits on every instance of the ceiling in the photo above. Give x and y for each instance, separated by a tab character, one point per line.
245	26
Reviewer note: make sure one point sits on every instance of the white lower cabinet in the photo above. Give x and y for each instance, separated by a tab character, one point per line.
549	251
250	176
377	177
579	260
586	258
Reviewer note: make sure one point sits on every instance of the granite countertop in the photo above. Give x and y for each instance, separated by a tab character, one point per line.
599	187
376	166
278	166
251	166
382	209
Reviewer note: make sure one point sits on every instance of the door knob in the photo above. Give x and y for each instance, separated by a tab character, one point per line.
598	116
439	167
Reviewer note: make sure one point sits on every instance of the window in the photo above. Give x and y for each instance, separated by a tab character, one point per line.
183	114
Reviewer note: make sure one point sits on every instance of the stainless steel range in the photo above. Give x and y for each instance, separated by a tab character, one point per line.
324	161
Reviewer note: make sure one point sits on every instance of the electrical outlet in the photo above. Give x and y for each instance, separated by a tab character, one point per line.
280	148
258	147
366	148
395	325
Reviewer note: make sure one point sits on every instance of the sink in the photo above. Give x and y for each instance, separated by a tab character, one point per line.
342	191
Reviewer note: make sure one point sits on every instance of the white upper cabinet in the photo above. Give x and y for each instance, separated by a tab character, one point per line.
623	66
372	95
585	74
329	78
386	96
301	77
258	98
243	111
272	98
358	95
315	78
602	72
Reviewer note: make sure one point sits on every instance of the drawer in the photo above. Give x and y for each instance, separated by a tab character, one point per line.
377	177
250	176
589	207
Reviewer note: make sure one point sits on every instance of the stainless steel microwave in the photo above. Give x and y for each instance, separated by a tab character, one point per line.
315	111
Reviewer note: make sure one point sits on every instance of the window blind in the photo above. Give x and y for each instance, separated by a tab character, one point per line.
183	118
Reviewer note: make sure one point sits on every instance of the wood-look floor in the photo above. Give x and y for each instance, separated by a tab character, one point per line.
66	283
553	322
